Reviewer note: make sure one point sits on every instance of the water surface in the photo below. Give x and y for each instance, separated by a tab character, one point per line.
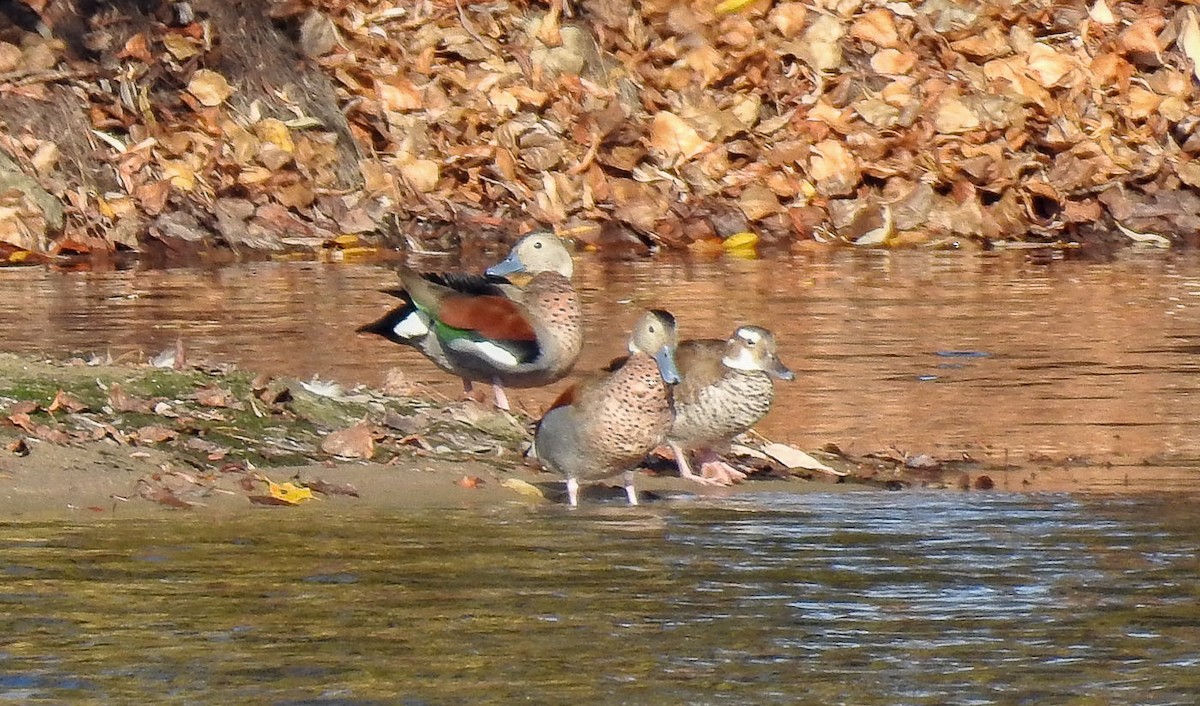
1000	356
850	598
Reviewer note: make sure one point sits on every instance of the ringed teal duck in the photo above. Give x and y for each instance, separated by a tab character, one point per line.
726	387
605	426
484	328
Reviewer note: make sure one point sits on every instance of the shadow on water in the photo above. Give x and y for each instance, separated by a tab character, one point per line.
993	355
857	598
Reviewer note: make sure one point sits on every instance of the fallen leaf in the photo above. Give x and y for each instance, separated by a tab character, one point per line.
213	396
792	457
356	442
524	488
1189	40
62	400
209	87
153	434
18	447
324	488
469	482
289	492
162	495
674	138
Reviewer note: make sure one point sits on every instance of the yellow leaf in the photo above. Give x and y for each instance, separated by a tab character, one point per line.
19	256
209	87
745	239
104	209
181	47
522	487
728	7
288	492
274	131
347	240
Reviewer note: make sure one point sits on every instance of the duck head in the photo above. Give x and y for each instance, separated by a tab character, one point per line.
540	251
654	335
751	349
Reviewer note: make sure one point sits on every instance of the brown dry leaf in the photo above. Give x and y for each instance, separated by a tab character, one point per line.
356	442
214	396
877	27
10	57
674	138
325	488
398	93
1048	66
162	495
18	447
63	400
1141	37
420	174
470	482
154	434
953	116
834	168
21	420
122	402
22	407
893	62
209	87
269	500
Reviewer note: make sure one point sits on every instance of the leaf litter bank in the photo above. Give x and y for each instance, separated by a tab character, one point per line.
342	125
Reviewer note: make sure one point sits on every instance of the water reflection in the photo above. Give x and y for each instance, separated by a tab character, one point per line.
1068	358
863	598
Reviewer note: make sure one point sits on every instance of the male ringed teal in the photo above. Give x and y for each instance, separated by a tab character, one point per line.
725	388
484	328
605	426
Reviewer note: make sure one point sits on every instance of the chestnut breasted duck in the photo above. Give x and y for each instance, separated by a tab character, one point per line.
725	388
484	328
606	425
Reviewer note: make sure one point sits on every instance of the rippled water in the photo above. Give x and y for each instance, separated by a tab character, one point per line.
1002	356
849	598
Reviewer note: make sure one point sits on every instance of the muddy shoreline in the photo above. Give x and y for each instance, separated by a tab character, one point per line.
88	440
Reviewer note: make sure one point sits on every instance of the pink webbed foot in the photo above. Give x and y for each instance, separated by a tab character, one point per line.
685	468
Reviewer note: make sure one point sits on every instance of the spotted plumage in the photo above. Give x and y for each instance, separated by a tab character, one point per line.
606	425
485	328
726	387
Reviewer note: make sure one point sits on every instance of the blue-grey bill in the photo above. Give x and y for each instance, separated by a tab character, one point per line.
507	266
665	357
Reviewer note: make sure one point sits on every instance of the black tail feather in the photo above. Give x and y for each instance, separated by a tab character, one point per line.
385	326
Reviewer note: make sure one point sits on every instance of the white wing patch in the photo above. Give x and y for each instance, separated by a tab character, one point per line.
414	325
486	350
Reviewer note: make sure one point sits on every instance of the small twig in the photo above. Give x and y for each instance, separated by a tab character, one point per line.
466	24
17	79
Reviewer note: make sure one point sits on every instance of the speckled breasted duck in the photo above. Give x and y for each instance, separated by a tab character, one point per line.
726	387
606	426
485	329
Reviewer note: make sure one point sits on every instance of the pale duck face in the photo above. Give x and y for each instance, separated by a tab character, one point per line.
752	349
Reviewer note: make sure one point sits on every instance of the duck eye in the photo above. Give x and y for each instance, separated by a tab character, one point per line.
537	245
650	329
